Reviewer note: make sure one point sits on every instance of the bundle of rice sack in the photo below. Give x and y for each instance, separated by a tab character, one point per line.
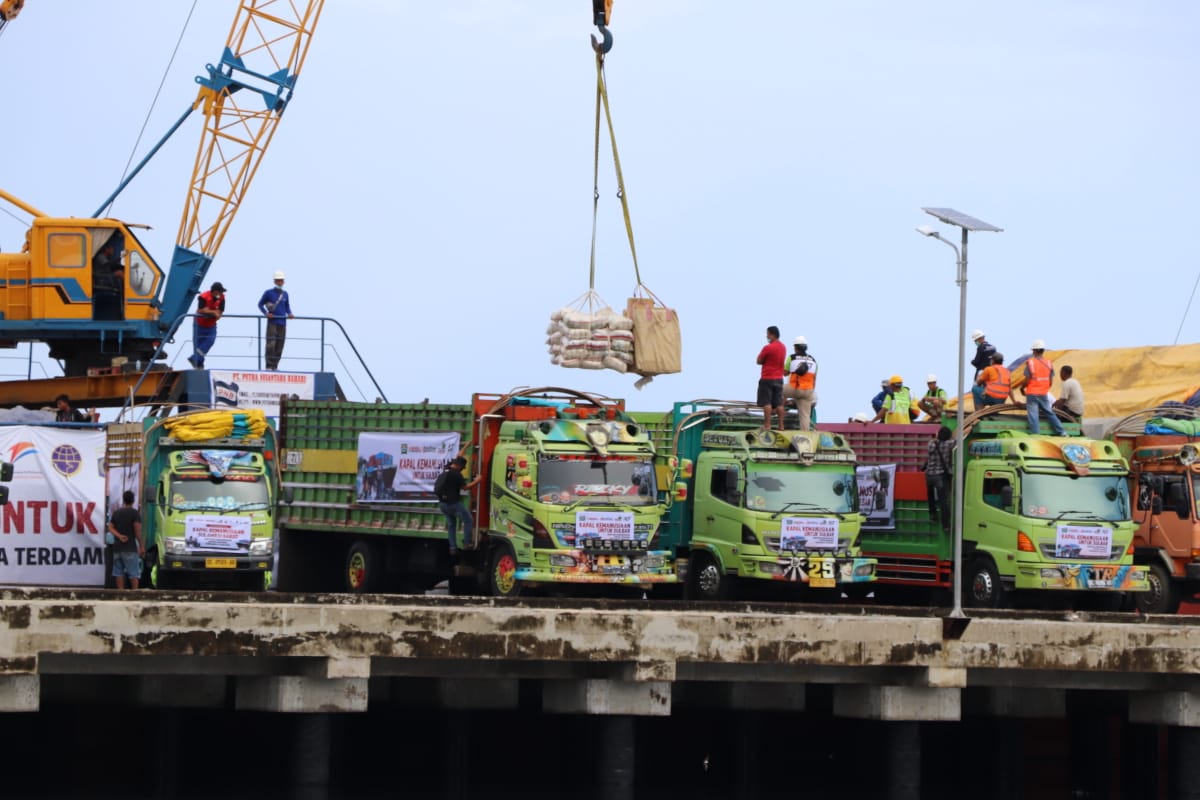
590	340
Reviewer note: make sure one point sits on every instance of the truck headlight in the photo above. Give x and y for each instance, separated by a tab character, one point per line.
262	547
561	561
175	545
770	567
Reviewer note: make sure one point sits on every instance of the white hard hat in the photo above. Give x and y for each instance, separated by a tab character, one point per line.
800	340
861	417
931	378
279	276
1038	344
976	334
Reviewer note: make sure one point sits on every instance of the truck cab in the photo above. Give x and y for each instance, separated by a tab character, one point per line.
1164	480
210	498
758	505
573	495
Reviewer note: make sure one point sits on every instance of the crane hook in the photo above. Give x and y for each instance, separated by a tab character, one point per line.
601	10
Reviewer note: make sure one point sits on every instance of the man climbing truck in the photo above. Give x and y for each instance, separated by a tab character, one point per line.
1161	445
760	505
1039	513
569	495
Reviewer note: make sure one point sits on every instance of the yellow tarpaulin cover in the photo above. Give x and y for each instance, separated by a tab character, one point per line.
1124	380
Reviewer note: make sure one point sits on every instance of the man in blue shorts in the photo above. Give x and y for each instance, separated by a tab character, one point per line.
125	525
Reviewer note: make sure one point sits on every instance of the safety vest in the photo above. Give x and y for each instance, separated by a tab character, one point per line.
807	381
1040	372
898	406
998	386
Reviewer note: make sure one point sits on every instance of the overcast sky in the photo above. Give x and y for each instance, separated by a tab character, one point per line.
431	183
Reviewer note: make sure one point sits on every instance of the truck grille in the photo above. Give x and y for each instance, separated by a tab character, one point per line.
1047	551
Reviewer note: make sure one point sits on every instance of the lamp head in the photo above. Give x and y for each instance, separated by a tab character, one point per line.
927	230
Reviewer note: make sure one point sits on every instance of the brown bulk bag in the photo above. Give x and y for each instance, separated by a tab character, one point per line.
657	346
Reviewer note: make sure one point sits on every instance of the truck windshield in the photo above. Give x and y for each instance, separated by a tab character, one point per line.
1101	497
629	482
800	490
240	493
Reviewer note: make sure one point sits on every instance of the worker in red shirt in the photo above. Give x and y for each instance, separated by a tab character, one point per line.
770	380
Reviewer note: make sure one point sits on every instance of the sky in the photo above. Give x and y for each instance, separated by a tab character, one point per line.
430	186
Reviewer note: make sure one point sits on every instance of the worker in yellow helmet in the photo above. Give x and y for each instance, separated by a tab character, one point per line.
897	407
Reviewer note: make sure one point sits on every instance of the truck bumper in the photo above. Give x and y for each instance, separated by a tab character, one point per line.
577	566
815	571
1192	571
1081	576
215	563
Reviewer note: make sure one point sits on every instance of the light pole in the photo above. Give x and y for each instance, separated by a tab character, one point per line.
967	223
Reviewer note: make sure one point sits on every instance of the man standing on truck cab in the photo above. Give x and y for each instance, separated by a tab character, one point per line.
1071	399
770	379
1039	377
210	306
801	369
125	526
276	306
449	489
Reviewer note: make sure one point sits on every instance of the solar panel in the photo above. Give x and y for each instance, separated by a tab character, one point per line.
952	217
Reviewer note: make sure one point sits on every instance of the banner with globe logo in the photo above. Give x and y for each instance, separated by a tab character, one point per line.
52	530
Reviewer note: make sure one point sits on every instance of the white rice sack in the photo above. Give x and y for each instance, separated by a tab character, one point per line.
626	358
558	314
621	346
555	358
589	363
574	352
612	362
619	322
570	363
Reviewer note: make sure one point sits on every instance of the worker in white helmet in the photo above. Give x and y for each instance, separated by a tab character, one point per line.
933	402
983	352
276	306
801	382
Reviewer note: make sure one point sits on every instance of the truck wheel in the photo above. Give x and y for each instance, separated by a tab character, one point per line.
501	573
364	567
982	587
1163	595
706	581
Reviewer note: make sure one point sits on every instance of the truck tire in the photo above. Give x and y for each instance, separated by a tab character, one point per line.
501	568
1163	597
364	567
706	579
981	585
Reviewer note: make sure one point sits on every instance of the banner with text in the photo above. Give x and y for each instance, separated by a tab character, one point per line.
259	389
402	467
52	530
808	533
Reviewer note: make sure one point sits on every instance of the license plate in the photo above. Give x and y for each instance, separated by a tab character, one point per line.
220	563
821	573
1101	577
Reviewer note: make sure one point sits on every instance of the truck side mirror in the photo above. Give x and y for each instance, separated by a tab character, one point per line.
1006	496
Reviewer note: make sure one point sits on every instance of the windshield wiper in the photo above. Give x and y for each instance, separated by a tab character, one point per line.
807	504
1082	515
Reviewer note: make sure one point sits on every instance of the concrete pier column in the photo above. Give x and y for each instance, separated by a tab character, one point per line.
311	742
904	760
1184	764
616	762
166	764
746	760
456	749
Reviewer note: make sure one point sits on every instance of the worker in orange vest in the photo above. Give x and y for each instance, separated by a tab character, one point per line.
801	381
993	387
1039	377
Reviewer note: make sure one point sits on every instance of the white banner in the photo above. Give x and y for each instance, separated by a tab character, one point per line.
52	530
205	532
876	495
1083	541
606	526
808	533
398	467
259	389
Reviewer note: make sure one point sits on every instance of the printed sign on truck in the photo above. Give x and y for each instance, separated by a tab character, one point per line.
1083	541
876	495
402	467
808	533
604	525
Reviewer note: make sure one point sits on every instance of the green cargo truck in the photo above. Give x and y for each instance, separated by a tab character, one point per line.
569	495
757	505
1040	513
209	491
